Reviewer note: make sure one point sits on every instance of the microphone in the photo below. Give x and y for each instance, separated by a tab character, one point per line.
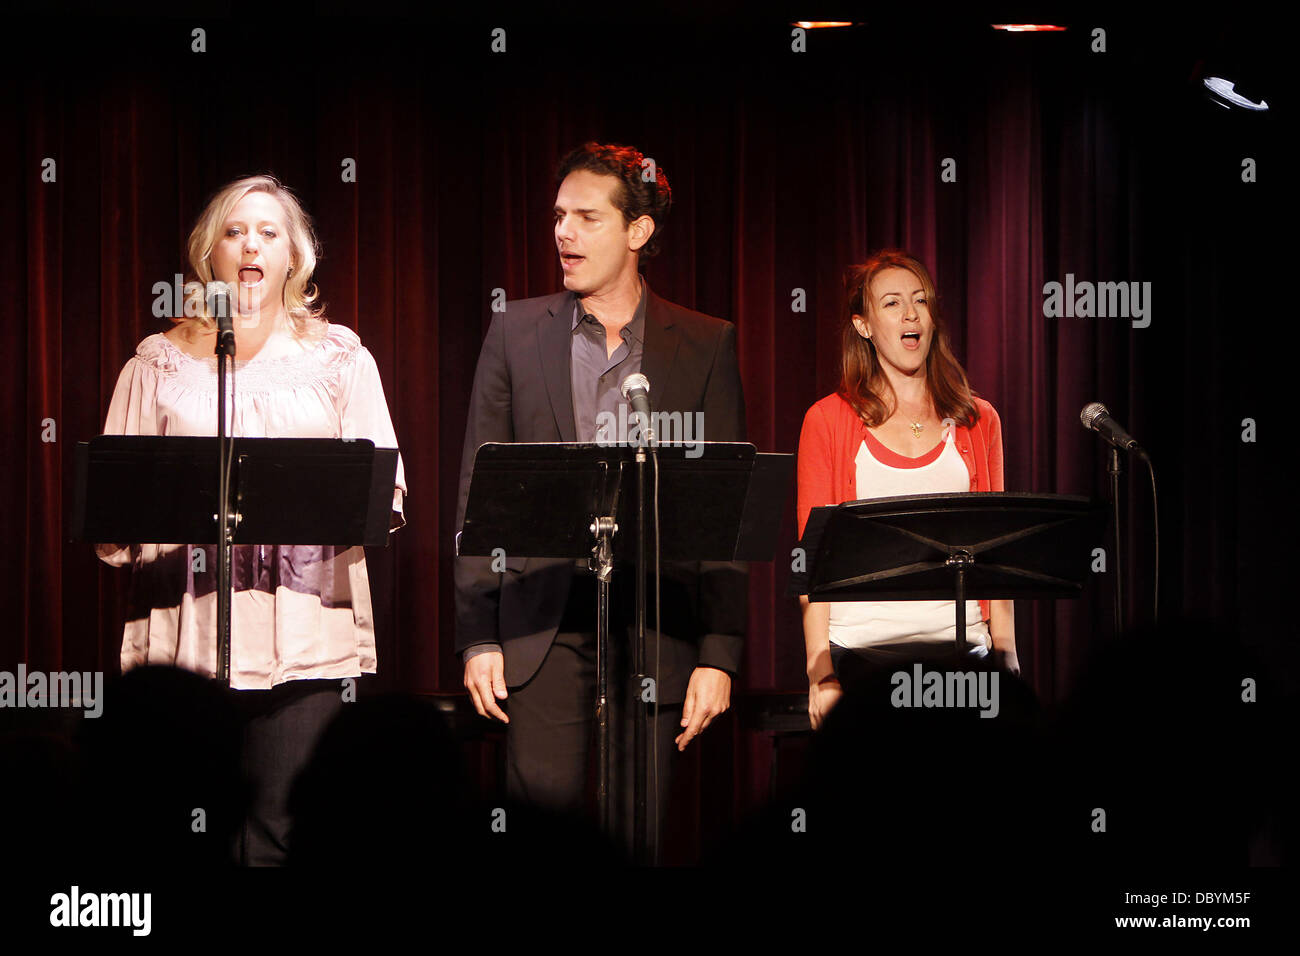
218	299
1095	417
636	389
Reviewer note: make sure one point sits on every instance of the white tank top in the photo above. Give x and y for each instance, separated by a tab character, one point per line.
861	624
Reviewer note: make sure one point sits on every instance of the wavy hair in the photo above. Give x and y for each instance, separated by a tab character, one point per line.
863	383
301	297
635	196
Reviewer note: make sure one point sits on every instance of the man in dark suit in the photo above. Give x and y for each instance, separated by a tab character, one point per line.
550	371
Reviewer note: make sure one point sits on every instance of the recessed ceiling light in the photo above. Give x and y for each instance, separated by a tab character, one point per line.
1028	27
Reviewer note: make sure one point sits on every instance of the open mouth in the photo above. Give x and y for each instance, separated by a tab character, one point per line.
250	276
911	340
570	259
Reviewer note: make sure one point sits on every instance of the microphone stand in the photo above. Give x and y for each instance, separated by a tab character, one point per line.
643	853
1095	418
225	350
1115	470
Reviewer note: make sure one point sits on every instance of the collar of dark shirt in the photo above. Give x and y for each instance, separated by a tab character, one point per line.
634	331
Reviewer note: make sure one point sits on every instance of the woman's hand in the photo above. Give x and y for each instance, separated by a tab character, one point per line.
822	696
823	689
1002	631
1007	660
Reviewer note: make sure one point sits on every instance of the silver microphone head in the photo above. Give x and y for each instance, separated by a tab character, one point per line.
1091	412
213	296
635	380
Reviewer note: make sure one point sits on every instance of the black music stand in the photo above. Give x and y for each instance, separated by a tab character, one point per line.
565	500
986	545
162	490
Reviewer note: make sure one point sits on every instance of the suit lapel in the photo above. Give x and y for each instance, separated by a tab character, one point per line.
659	351
555	342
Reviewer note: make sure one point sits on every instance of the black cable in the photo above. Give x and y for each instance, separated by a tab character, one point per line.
223	493
654	740
230	442
1155	514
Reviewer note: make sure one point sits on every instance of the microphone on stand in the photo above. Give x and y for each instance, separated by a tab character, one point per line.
636	389
218	299
1095	417
217	295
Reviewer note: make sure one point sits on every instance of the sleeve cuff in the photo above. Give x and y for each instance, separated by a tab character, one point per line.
722	651
477	649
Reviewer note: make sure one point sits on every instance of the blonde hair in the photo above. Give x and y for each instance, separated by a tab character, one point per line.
300	296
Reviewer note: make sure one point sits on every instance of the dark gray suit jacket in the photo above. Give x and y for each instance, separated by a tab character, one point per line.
522	392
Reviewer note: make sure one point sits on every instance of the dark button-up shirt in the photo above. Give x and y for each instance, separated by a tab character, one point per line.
600	412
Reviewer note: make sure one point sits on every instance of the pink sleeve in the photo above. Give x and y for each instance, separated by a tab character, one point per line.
131	411
364	413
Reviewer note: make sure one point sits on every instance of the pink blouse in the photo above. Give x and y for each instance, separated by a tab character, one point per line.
297	611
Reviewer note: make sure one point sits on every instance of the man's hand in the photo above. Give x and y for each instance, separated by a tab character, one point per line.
485	679
707	695
822	696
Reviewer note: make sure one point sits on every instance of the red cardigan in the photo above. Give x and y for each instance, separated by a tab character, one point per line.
828	448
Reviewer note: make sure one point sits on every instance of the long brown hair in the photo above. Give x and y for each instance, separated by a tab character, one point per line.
863	383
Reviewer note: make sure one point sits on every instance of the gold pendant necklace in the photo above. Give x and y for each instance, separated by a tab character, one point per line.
917	428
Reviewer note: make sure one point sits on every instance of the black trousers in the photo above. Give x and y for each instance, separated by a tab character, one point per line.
551	737
281	728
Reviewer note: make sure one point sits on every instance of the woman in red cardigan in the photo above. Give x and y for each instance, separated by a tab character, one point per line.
903	422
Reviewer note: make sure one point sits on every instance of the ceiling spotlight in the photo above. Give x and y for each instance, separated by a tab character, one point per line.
1223	94
822	24
1028	27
